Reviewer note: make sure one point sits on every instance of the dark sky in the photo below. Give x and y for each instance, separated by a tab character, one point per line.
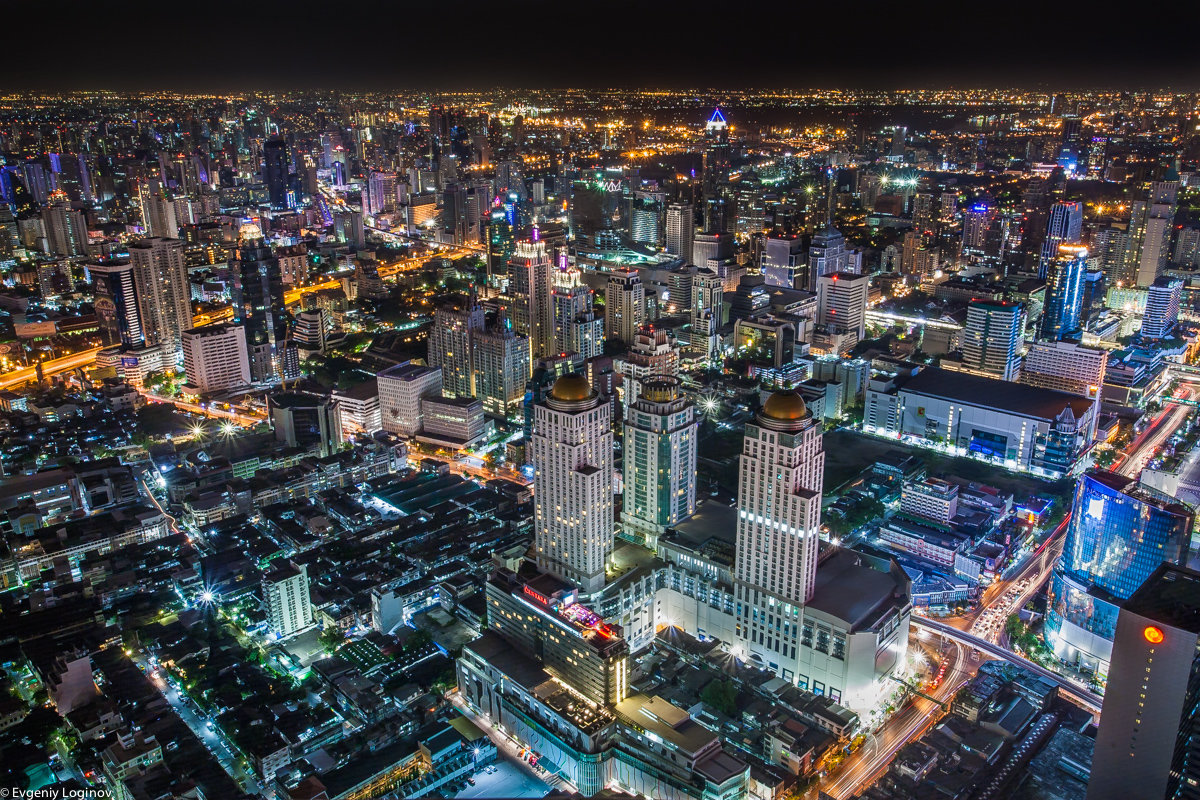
441	44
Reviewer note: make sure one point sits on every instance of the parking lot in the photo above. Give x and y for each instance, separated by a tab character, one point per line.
505	780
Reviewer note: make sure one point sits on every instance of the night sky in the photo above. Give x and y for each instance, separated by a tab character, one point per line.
438	45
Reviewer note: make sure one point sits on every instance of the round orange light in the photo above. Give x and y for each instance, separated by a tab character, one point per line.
1153	635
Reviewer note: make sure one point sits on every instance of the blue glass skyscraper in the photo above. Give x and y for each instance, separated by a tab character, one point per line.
1061	318
1120	532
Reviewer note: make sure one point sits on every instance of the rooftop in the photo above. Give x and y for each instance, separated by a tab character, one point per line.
850	591
984	392
1171	596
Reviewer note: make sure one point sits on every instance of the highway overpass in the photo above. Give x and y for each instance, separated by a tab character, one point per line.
1090	701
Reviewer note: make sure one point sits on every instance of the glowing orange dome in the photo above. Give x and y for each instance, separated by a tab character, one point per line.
785	406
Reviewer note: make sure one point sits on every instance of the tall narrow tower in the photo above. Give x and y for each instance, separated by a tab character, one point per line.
659	459
530	272
572	455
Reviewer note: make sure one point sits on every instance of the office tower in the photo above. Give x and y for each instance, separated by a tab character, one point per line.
275	173
653	353
1061	316
842	302
977	223
117	308
309	332
925	214
779	515
257	293
530	274
1109	247
215	358
1162	308
357	410
1065	366
158	212
624	305
749	209
502	241
659	459
718	155
917	258
1148	744
708	293
66	229
1186	252
293	264
380	197
501	370
783	261
1064	227
575	323
1149	237
711	246
401	389
646	218
572	455
681	227
1094	295
285	594
679	290
163	292
456	320
304	420
826	255
1120	532
992	338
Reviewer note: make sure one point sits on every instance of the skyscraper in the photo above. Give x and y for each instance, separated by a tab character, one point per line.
1061	318
659	459
401	390
779	518
1064	227
572	454
275	173
164	294
530	282
456	321
577	329
66	229
681	227
286	596
117	303
501	359
992	338
826	255
1148	744
624	305
158	212
1163	297
708	293
215	358
1149	237
842	302
1120	532
783	261
258	302
653	353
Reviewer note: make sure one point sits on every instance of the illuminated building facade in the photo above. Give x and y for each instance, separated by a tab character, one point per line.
659	459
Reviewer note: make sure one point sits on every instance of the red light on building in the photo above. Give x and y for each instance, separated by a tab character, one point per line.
1153	635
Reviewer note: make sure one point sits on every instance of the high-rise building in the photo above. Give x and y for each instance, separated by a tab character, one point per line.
708	294
779	518
1109	247
1065	366
826	255
1149	237
659	459
116	304
681	227
401	389
977	224
1062	314
646	218
275	173
577	329
66	229
456	321
158	211
215	358
258	302
653	353
1148	744
305	420
1064	227
163	292
718	154
624	305
502	369
1163	297
286	596
381	196
783	261
992	338
1120	532
530	274
711	246
572	454
842	302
